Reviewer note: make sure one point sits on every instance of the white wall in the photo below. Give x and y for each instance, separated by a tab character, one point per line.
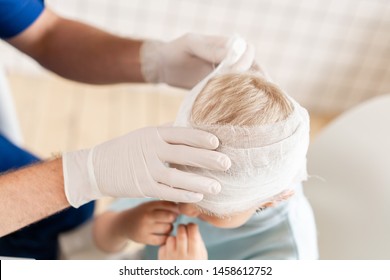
329	54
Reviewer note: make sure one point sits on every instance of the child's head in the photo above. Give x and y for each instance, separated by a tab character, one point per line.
251	117
240	99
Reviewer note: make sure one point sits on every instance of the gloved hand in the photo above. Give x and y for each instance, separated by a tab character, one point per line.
184	61
134	165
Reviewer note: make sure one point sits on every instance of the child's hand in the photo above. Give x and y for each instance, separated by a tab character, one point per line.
187	245
149	223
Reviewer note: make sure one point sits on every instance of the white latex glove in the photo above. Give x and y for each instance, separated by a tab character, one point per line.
134	165
184	61
239	57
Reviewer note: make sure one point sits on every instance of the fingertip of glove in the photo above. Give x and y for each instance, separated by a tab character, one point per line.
214	141
190	197
225	162
215	187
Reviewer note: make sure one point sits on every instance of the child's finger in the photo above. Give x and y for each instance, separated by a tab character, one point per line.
162	228
162	252
193	232
163	216
182	240
156	240
166	205
170	244
194	237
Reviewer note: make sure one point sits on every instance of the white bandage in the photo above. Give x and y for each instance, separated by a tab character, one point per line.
266	159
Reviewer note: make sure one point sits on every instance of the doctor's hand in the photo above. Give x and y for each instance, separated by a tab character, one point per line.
182	62
149	223
187	245
136	165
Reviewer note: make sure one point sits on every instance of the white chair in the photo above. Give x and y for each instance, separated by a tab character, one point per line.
9	125
352	201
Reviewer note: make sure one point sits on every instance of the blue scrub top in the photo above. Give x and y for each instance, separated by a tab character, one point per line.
39	240
17	15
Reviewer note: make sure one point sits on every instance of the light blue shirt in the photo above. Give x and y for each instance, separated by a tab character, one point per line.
283	232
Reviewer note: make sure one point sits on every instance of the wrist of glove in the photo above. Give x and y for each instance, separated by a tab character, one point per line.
78	182
151	61
182	62
135	165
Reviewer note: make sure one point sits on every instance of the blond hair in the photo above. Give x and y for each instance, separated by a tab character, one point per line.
242	99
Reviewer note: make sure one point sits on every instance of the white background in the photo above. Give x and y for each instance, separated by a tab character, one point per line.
281	270
329	55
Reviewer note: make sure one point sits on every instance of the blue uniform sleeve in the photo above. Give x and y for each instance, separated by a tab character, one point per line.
17	15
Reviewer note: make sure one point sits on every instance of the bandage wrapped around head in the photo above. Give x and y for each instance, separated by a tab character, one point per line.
267	159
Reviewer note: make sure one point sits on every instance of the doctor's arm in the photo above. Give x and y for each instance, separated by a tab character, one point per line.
80	52
30	194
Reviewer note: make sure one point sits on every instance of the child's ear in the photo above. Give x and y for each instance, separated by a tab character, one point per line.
268	204
278	198
285	195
